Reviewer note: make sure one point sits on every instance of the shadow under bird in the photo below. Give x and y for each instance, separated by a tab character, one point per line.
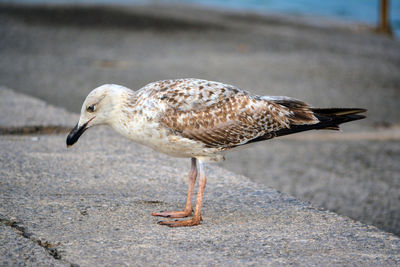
201	120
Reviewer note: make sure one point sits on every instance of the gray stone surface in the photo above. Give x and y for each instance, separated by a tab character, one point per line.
19	110
94	201
16	250
91	206
355	177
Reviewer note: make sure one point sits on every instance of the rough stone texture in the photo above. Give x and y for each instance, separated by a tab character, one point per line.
16	250
93	203
358	178
19	110
91	206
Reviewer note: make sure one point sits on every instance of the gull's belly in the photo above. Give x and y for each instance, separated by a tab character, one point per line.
177	146
162	140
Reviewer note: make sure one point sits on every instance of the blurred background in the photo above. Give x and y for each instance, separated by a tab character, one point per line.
327	53
351	11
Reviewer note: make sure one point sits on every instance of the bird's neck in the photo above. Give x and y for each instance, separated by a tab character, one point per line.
126	115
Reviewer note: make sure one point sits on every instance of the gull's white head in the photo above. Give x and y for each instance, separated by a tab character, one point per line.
98	108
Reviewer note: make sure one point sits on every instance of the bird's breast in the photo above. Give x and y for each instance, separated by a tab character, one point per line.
150	133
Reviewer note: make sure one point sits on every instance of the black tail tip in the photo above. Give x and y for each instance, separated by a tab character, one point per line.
338	111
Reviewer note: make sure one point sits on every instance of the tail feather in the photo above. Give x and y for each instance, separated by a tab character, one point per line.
329	119
338	111
333	117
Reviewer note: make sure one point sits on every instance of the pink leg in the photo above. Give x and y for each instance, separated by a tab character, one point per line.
188	207
196	220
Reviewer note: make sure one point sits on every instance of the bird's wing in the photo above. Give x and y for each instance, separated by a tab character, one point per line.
228	117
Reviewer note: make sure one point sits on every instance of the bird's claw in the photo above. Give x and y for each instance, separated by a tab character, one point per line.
177	223
172	214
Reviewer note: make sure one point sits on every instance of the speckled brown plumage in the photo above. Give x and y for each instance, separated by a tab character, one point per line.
223	116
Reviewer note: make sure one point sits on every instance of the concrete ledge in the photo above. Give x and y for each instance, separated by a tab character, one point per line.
18	111
91	205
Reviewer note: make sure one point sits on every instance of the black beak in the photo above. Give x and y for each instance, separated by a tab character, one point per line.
75	133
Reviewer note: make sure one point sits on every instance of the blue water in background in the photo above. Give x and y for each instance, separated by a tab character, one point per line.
363	11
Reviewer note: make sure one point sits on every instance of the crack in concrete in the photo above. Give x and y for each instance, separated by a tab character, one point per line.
49	247
35	129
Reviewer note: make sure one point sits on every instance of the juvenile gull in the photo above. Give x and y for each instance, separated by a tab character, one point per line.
201	120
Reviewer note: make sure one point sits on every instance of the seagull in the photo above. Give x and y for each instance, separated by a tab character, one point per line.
201	120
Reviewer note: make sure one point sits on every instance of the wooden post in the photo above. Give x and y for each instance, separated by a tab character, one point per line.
384	25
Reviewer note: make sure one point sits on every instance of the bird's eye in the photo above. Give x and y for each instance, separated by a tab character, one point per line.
91	108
